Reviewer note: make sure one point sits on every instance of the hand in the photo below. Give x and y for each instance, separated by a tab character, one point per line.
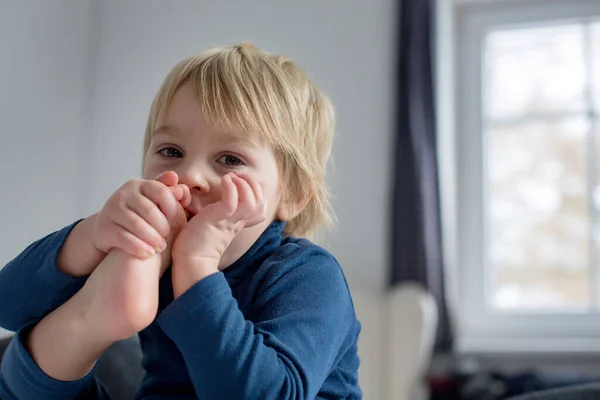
200	245
136	217
120	298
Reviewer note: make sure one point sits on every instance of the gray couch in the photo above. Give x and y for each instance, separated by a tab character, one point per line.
580	392
119	369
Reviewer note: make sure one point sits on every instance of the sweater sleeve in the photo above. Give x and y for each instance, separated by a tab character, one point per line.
22	379
32	284
285	352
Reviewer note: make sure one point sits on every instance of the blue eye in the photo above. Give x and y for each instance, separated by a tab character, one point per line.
230	160
171	152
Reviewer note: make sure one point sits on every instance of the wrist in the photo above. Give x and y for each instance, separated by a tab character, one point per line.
79	256
189	270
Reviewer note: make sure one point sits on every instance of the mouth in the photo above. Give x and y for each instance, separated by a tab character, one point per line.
188	215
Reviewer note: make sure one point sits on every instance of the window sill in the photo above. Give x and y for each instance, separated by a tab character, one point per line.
559	346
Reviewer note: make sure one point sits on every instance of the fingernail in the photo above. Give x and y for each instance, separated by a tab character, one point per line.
150	252
162	247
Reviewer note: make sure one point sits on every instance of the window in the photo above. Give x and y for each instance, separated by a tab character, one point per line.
528	182
540	166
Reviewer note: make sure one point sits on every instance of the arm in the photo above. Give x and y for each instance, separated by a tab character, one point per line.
64	344
286	352
55	358
44	275
54	268
21	378
119	299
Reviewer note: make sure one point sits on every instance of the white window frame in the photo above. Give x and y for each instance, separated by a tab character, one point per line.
461	152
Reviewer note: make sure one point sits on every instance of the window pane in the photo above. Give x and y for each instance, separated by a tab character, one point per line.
537	215
596	65
534	71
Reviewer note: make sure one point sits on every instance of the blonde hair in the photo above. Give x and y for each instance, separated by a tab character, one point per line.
243	89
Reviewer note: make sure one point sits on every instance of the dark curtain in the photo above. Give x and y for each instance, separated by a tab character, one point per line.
416	241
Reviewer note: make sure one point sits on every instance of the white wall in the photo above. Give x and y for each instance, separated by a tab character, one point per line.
43	111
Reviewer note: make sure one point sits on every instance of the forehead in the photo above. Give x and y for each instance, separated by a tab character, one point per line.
187	113
183	115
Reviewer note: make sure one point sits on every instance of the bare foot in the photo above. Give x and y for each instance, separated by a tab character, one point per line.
120	298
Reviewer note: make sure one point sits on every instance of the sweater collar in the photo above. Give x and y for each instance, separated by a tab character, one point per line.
267	242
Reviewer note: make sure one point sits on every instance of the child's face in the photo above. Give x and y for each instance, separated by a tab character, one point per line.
201	154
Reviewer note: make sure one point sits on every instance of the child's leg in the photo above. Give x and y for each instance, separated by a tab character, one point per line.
118	300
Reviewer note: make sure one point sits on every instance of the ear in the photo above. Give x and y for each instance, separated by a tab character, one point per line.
289	210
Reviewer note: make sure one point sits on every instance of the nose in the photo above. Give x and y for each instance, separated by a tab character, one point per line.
193	177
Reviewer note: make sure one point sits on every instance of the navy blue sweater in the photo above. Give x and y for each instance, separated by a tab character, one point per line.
277	324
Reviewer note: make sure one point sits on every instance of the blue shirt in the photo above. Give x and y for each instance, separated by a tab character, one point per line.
277	324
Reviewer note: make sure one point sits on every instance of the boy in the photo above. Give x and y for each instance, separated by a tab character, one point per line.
201	256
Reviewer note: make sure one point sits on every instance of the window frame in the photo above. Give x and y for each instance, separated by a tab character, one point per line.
479	329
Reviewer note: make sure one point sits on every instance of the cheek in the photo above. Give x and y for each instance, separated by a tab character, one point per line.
271	194
151	170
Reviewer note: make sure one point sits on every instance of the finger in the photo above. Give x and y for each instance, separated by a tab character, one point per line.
168	178
239	226
150	212
259	210
258	216
160	195
186	200
257	189
182	194
136	225
246	196
128	242
229	194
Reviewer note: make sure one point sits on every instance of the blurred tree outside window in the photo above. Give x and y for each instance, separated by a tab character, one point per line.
541	139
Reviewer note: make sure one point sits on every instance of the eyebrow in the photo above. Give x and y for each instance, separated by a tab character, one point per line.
167	130
227	137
